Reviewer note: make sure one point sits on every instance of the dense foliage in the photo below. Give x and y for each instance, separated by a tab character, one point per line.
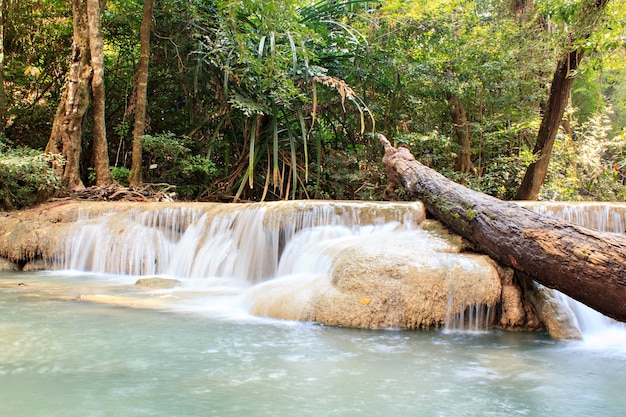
255	100
26	177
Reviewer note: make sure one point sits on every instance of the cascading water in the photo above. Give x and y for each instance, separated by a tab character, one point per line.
595	328
283	258
603	217
297	260
137	242
240	241
473	318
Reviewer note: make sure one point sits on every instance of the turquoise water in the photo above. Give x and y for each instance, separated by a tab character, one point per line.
63	356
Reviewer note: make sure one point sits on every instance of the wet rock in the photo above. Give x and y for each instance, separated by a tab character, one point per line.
516	311
411	281
157	283
6	265
288	298
406	290
37	265
550	312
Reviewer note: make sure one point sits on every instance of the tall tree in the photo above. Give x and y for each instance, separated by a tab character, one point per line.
141	93
460	62
86	75
560	90
557	102
65	138
3	101
463	161
96	47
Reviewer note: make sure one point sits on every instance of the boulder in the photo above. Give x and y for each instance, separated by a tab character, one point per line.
6	265
406	283
405	290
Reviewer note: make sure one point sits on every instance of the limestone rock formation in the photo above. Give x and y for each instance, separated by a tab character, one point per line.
405	291
6	265
410	279
403	283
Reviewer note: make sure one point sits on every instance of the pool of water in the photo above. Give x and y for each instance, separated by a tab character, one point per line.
63	356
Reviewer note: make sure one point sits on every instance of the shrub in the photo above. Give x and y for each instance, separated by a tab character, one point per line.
26	177
120	175
170	160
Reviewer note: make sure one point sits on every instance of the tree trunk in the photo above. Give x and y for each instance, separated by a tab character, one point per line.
3	98
520	7
589	16
557	102
459	118
141	89
100	147
65	138
588	266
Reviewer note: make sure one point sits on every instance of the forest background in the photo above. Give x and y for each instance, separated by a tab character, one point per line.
263	100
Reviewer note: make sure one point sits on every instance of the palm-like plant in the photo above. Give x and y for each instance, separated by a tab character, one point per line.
269	55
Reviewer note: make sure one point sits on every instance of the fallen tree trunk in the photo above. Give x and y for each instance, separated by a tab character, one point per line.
588	266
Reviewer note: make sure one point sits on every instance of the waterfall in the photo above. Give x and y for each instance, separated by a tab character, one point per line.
475	317
595	328
240	241
354	264
600	216
137	242
357	264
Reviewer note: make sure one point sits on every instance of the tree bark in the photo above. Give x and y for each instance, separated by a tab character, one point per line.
65	138
588	266
3	99
141	89
96	45
560	89
557	102
459	118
